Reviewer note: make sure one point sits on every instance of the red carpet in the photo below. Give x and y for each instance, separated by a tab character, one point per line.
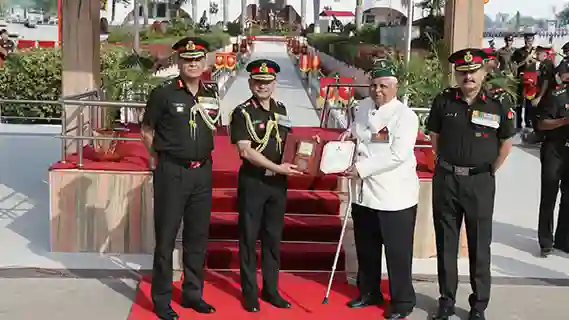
304	291
312	229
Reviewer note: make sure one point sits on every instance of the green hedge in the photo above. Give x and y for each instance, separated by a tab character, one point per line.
36	75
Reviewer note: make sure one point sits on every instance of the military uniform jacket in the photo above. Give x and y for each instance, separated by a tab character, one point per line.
385	158
556	106
505	59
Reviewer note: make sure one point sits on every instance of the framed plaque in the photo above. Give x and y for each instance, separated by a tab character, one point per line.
304	153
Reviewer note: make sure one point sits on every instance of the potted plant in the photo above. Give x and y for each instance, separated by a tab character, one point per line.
134	79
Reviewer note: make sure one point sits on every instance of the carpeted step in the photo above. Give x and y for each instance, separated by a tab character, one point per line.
297	227
298	201
228	180
224	255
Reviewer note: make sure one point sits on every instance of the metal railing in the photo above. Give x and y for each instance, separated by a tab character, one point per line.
84	130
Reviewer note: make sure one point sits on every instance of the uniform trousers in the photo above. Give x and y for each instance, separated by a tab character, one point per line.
394	231
554	157
529	114
262	205
180	194
458	197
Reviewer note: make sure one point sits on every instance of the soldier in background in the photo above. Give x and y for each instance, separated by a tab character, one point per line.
525	63
505	55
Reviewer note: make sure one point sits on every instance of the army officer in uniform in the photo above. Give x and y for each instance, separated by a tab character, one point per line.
553	119
259	127
177	127
386	192
470	131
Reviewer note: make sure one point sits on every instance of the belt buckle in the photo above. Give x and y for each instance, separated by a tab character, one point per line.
461	171
194	164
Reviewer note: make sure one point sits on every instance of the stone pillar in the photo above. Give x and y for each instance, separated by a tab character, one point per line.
303	14
359	14
464	24
243	16
225	12
81	59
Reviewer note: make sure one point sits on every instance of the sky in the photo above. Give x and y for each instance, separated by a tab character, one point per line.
534	8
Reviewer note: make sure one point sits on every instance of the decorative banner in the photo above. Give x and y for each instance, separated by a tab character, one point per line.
220	59
324	82
316	62
345	94
304	62
529	80
230	61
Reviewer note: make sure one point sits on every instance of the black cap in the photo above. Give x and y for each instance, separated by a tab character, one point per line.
509	37
543	48
2	31
529	35
565	48
263	69
191	48
469	59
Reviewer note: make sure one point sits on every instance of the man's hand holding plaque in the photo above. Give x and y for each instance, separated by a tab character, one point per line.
305	155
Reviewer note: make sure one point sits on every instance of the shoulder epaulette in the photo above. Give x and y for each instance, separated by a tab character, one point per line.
167	82
559	91
280	104
210	86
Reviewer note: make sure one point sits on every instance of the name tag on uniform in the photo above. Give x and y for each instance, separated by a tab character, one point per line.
485	119
382	136
179	107
284	121
208	103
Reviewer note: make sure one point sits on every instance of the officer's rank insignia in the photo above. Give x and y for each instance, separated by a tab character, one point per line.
190	46
468	57
262	125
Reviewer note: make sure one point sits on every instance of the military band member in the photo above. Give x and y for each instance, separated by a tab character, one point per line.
177	127
525	62
259	128
470	131
505	55
554	122
385	192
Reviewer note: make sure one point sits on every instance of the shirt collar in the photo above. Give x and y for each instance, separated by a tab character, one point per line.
482	96
182	86
257	104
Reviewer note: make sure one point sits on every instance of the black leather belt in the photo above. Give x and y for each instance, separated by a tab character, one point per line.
464	171
185	163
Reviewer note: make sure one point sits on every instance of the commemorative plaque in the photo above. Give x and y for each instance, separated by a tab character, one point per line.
304	153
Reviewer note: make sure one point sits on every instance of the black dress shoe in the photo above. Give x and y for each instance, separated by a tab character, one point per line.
443	313
476	315
199	306
545	252
365	301
251	305
276	300
166	313
396	315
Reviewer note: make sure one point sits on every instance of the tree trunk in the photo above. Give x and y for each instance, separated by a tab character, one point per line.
145	11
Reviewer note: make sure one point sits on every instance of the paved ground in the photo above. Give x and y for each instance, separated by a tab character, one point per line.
111	299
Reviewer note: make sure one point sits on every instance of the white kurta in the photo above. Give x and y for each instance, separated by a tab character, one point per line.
385	157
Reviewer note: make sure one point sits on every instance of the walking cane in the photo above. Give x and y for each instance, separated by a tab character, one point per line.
339	248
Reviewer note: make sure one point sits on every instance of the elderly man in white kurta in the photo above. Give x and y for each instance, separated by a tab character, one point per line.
385	192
